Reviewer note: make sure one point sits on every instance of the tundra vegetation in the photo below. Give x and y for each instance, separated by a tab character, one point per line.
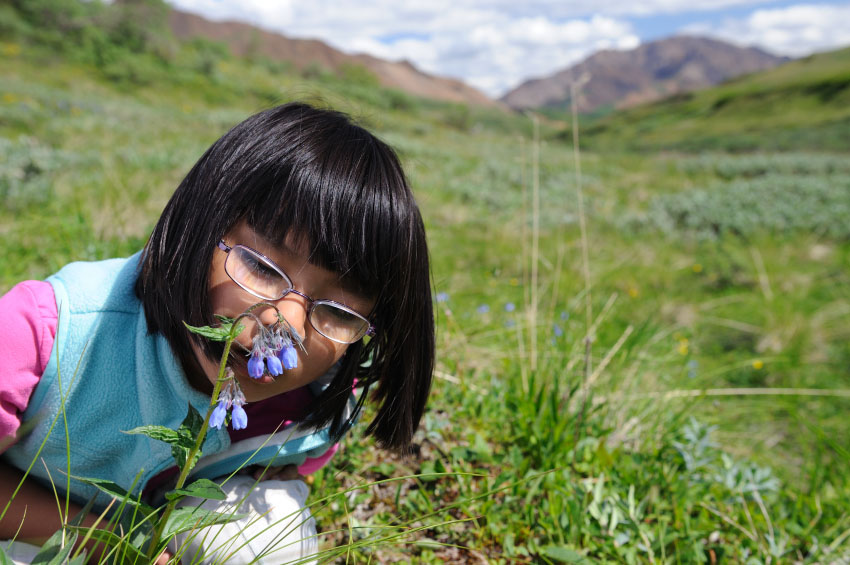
644	346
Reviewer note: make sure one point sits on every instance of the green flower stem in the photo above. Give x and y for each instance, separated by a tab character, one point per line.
199	441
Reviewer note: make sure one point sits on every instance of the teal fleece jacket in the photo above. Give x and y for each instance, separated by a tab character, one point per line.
107	375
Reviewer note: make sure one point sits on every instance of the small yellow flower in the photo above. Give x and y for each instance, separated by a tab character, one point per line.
696	267
683	346
11	49
633	292
514	282
9	98
758	364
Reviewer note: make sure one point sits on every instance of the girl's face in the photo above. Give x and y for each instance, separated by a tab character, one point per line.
229	299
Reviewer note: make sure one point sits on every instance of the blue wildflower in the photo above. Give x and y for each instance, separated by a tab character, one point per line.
230	398
256	367
557	330
483	309
510	307
239	418
274	364
442	297
219	414
288	357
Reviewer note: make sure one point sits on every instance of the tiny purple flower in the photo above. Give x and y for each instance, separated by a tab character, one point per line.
218	415
255	367
275	367
557	330
442	297
288	357
239	418
510	307
483	309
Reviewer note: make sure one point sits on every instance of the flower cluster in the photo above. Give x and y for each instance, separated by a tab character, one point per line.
273	350
230	398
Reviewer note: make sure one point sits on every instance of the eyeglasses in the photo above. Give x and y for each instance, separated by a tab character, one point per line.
260	276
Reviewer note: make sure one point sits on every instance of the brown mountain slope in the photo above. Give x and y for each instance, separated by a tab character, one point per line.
619	79
244	39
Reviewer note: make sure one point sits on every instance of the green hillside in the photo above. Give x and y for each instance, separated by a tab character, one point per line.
669	384
801	105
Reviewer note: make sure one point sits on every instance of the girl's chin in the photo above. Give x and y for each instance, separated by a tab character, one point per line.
264	380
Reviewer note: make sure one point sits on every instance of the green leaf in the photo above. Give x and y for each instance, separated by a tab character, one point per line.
214	334
113	540
116	491
564	554
202	488
187	519
78	560
56	549
160	433
182	440
192	423
187	434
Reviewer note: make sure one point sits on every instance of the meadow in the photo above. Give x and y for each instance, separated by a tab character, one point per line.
643	351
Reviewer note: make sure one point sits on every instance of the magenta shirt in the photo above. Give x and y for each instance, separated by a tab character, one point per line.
28	320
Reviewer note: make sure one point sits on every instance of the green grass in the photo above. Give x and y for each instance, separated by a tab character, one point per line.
803	104
544	449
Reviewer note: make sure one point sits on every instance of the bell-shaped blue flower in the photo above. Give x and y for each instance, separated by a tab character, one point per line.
239	419
219	413
288	357
256	368
275	367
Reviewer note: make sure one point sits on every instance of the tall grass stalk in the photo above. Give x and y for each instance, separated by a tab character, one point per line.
575	89
535	243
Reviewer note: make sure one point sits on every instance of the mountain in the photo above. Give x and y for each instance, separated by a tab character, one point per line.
244	39
802	105
621	79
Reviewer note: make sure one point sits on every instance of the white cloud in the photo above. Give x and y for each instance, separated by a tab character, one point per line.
795	30
492	45
497	44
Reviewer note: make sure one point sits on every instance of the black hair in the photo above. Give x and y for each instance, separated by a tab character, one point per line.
296	169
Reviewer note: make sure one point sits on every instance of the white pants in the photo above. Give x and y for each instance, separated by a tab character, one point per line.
278	528
19	552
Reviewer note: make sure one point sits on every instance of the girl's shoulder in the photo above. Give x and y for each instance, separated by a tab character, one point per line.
28	320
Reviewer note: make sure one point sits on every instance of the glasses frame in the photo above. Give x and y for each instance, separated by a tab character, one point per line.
370	329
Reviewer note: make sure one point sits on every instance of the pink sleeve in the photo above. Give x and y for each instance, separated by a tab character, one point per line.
313	464
28	329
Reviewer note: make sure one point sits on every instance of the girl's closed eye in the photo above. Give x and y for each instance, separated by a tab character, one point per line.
259	270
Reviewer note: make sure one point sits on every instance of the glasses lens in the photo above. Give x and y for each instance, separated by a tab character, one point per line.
255	274
338	323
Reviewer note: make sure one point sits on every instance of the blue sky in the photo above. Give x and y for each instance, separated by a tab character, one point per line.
495	45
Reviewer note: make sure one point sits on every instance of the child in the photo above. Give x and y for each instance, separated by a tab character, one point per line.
295	206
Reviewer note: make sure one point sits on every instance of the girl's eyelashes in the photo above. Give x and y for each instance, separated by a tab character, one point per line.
260	268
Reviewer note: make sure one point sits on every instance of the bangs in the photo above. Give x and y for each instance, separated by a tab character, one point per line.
343	205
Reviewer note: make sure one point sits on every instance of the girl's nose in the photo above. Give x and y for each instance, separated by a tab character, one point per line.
294	309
